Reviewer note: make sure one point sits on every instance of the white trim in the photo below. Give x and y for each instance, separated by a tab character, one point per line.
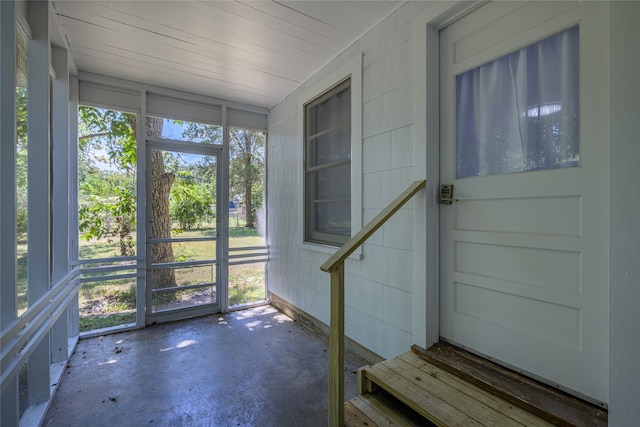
60	196
9	411
99	79
222	193
73	315
426	285
142	213
353	69
624	267
39	188
8	299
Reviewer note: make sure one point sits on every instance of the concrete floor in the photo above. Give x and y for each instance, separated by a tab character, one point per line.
249	368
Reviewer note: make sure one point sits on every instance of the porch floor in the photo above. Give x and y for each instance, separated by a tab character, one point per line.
254	367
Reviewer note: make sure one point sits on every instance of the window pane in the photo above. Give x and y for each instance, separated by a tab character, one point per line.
106	183
328	167
330	147
22	188
159	127
333	217
333	183
329	110
247	217
521	112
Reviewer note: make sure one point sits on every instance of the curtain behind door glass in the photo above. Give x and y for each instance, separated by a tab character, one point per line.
521	112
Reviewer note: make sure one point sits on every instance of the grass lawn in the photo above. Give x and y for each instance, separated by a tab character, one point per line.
113	303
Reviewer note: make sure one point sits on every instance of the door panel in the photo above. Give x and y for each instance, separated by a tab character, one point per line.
524	255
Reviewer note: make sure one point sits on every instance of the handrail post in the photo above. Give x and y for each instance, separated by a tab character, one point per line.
336	348
335	266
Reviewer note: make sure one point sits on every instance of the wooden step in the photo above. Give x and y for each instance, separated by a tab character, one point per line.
545	401
439	397
379	409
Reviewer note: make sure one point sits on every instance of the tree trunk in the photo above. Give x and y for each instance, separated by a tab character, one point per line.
248	182
247	205
161	182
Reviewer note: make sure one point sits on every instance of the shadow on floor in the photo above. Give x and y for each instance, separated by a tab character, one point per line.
248	368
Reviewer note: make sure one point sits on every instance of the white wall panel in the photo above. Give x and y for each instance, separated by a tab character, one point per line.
377	153
379	287
395	312
402	154
109	96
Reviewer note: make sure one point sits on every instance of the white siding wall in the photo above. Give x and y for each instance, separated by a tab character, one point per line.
379	308
379	287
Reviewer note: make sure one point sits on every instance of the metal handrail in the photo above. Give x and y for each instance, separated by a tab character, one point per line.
335	266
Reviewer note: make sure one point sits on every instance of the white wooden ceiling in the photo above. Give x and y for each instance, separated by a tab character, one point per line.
254	52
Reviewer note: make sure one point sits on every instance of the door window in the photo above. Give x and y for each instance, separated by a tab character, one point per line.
521	112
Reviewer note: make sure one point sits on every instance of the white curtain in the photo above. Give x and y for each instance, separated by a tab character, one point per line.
521	112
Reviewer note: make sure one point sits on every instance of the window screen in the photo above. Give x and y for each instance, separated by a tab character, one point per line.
328	166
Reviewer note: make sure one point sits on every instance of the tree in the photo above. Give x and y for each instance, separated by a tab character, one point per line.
21	160
246	169
106	169
161	182
114	134
246	163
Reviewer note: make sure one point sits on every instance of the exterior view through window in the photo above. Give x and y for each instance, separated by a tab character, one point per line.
107	217
22	238
327	166
247	217
185	212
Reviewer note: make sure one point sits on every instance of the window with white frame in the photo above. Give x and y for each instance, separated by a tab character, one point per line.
327	166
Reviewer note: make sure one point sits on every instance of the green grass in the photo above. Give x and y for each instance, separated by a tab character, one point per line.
91	323
112	303
246	283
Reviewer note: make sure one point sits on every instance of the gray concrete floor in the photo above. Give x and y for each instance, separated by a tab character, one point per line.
248	368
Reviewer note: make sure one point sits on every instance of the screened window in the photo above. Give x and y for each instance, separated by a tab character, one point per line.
22	150
182	130
521	112
327	166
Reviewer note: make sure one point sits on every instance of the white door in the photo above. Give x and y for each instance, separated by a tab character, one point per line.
524	249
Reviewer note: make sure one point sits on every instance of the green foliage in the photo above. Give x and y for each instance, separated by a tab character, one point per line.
106	169
111	131
246	168
21	160
110	217
190	202
198	132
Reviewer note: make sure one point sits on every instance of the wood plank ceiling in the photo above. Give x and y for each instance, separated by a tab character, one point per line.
254	52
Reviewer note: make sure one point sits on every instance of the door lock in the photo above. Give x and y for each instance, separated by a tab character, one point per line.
446	194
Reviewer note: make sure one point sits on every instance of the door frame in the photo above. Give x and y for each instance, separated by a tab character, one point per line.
222	219
426	286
